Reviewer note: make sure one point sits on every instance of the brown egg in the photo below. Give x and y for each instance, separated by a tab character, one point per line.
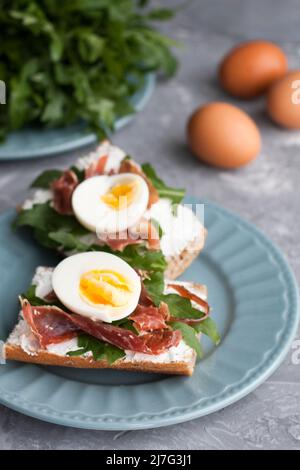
223	135
250	68
283	101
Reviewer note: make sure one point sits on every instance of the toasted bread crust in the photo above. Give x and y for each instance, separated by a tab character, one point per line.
14	352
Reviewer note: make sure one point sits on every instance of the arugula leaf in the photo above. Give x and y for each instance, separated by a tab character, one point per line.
31	296
42	237
125	323
99	349
77	352
44	217
179	307
164	191
139	257
46	178
53	230
208	328
189	336
155	285
79	173
68	241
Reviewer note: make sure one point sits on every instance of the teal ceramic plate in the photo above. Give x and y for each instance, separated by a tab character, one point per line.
37	143
254	299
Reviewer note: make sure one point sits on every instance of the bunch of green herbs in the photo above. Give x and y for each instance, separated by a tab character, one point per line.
77	60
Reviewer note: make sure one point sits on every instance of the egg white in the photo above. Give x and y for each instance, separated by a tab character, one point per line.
66	279
96	215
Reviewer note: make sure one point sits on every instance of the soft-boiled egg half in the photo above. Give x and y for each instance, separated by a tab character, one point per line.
110	204
97	285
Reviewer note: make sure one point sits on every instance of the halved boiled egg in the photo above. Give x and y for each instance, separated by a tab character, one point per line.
97	285
110	204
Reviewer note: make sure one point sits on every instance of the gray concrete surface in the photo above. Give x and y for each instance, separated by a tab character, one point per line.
266	193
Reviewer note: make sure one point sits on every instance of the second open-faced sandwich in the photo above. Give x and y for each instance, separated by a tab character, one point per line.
108	202
95	311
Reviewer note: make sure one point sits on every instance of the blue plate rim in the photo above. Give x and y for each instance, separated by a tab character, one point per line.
182	414
86	139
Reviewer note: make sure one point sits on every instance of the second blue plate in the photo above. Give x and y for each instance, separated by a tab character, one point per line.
37	143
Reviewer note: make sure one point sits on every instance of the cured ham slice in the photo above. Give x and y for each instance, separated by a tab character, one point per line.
184	292
50	324
97	167
145	299
63	189
119	241
149	318
160	341
149	343
50	297
128	166
145	232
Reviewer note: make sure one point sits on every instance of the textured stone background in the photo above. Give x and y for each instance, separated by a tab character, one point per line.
266	193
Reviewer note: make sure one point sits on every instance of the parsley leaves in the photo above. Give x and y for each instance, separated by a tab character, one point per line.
64	62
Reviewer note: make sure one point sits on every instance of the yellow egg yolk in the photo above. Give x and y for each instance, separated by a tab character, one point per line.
120	196
104	287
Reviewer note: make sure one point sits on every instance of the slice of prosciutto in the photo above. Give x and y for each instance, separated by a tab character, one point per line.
119	241
63	189
144	232
150	318
145	299
128	166
50	324
97	167
156	342
184	292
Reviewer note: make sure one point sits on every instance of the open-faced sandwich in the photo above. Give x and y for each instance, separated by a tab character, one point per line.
95	311
108	202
